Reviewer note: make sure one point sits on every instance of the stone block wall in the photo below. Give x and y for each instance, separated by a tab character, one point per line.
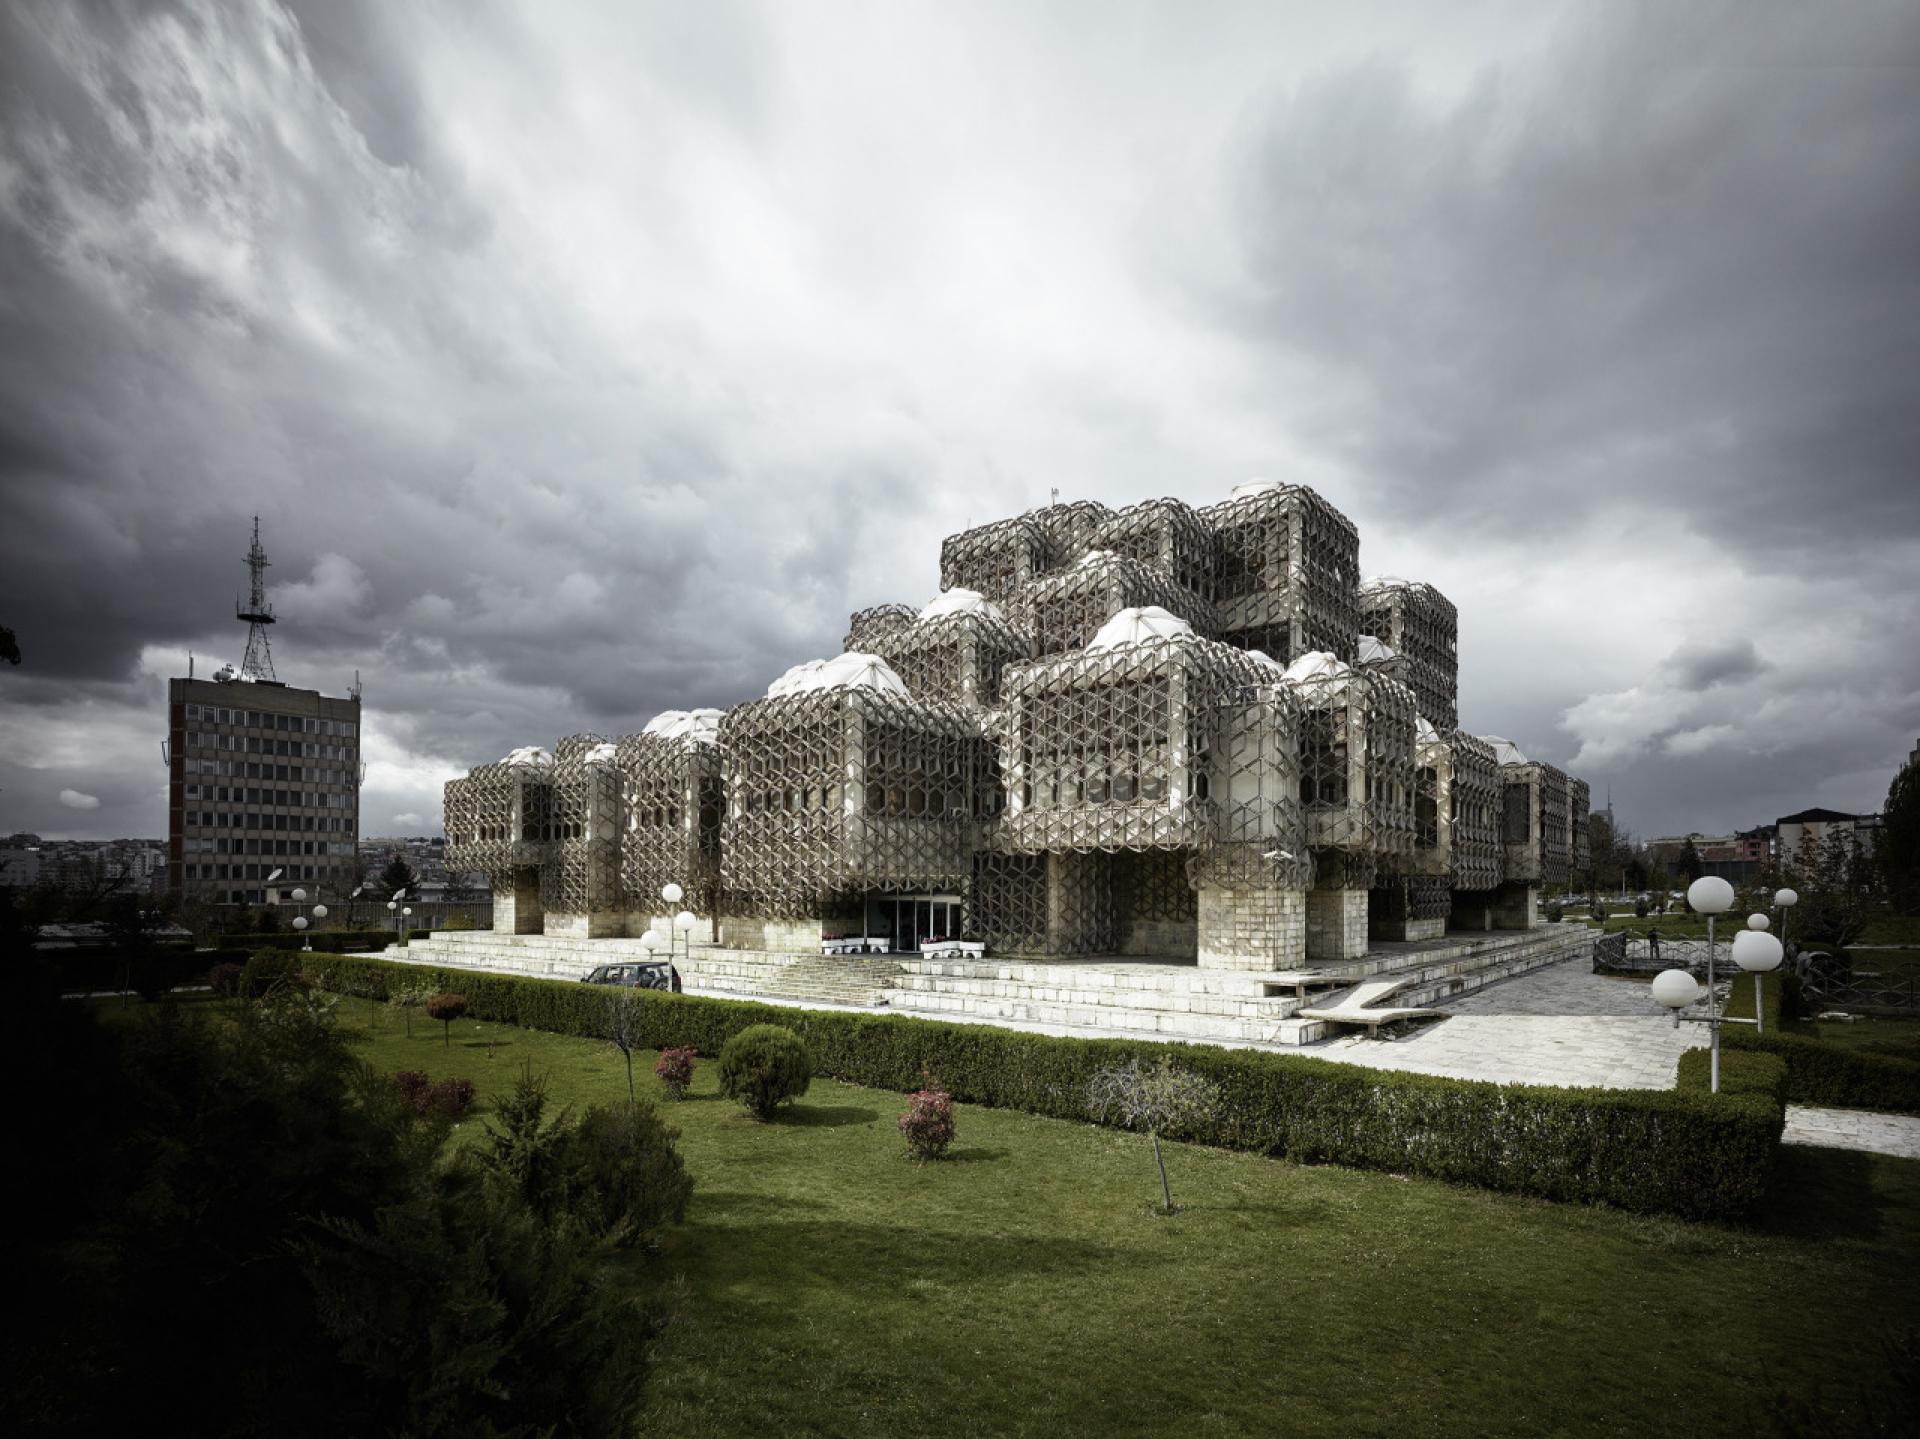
1160	939
516	904
1516	906
779	936
1336	925
1252	929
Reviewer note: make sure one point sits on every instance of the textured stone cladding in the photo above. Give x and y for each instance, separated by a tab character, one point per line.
1336	924
1261	929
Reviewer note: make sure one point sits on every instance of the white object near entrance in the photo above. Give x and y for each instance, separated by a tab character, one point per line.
1675	988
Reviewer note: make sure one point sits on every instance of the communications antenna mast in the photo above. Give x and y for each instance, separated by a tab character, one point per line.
258	664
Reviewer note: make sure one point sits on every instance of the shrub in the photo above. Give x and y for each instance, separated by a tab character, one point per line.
268	969
928	1123
1555	912
627	1178
1640	908
413	1085
763	1066
1644	1150
1821	1073
224	978
446	1008
675	1068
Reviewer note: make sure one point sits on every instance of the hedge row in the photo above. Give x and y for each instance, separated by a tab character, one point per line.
163	965
1645	1150
1819	1072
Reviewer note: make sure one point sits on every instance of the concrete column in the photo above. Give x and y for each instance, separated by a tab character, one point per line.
516	904
1516	906
1256	928
1336	925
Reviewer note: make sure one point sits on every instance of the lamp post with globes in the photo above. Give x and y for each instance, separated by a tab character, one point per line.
1784	900
1754	950
299	896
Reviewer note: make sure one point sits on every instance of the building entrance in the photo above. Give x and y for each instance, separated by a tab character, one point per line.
908	920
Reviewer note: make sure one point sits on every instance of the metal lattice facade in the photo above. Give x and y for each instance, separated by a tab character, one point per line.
1286	574
1422	627
1171	792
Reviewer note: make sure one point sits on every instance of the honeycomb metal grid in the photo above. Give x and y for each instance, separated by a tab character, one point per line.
670	792
505	808
1357	772
1260	835
1062	612
1422	626
834	793
1110	749
869	629
1287	564
1168	537
995	559
1580	805
583	874
1476	857
957	657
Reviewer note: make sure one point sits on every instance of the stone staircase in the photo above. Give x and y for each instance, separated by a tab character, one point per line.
1162	1001
1142	998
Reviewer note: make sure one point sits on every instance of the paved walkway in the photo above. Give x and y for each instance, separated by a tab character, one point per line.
1566	1025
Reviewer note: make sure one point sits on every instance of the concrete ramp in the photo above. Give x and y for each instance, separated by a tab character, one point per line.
1358	1006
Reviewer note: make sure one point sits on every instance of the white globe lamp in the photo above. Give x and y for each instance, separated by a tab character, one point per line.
299	921
649	942
684	921
1786	898
1757	921
319	911
1757	952
1675	988
299	896
1710	894
672	893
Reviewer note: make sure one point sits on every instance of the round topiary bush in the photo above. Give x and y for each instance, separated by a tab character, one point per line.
763	1066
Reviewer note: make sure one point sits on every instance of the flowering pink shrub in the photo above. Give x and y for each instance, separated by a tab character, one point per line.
452	1097
928	1123
675	1068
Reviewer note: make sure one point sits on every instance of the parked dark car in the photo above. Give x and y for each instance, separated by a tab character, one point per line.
636	974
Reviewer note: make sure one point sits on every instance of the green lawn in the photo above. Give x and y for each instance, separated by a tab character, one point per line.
830	1286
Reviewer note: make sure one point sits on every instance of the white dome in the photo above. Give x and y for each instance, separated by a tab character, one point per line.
602	753
701	726
1382	582
1423	730
1505	751
852	670
1318	664
1132	626
1256	487
1095	557
1263	658
961	602
528	754
1375	651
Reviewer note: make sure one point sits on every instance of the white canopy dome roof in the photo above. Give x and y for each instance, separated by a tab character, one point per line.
1095	557
854	669
1373	651
528	754
1256	487
701	726
1505	751
1318	664
602	753
961	602
1423	730
1378	582
1142	622
1262	657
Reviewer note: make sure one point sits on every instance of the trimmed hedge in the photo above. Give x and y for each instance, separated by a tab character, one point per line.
1674	1151
1820	1073
91	969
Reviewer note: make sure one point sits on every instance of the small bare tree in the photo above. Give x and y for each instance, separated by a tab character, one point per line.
407	998
1152	1097
624	1031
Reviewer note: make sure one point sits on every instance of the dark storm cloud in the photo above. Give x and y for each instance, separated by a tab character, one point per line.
1670	264
1701	665
595	360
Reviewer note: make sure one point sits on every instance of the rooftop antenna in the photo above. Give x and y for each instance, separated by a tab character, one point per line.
354	693
1053	496
258	664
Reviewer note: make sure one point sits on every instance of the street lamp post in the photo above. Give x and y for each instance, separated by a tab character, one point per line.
1712	896
1784	900
299	896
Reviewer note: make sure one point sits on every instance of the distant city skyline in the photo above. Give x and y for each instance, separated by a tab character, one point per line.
593	365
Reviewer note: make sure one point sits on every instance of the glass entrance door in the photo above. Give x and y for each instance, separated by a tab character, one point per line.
908	920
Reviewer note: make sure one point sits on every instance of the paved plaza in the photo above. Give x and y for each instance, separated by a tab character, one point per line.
1567	1025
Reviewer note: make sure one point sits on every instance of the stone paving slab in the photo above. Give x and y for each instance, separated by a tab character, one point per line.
1894	1134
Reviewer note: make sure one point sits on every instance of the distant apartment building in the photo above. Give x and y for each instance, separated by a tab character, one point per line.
1740	857
262	777
19	867
1803	833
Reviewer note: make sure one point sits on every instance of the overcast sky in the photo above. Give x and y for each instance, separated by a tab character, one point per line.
587	360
